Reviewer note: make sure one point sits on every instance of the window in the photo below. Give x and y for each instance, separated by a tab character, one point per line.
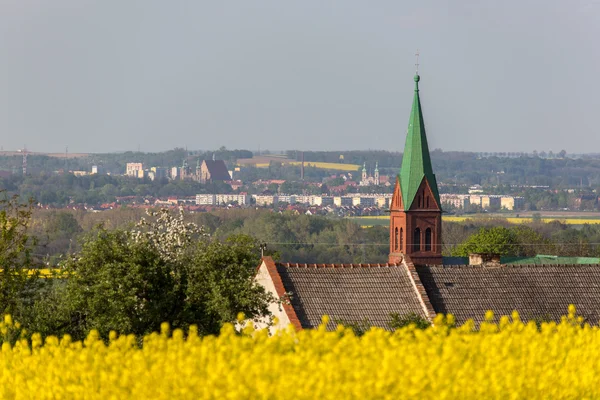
417	240
427	201
401	238
419	204
396	239
428	239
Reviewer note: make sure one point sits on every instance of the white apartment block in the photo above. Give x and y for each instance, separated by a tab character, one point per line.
512	203
488	201
206	199
135	170
363	201
342	201
287	198
265	200
461	201
222	199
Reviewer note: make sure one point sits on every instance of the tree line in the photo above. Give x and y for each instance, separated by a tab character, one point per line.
309	239
128	280
130	270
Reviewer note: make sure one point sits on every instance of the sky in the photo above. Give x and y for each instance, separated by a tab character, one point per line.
119	75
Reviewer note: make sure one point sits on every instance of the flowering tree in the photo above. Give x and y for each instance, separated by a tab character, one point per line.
169	234
164	270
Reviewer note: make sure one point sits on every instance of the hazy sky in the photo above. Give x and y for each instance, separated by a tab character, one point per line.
112	75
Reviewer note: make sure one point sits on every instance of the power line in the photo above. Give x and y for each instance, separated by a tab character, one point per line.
443	244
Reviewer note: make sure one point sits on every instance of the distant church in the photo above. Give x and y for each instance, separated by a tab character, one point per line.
369	180
417	279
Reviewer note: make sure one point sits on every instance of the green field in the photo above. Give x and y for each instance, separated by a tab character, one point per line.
572	219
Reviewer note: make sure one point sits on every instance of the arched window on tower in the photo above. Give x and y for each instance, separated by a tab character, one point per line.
417	240
428	239
396	240
401	238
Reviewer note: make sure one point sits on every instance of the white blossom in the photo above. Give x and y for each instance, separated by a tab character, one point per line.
168	233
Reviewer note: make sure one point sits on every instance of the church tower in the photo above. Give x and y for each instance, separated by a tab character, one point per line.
198	175
364	174
376	175
415	210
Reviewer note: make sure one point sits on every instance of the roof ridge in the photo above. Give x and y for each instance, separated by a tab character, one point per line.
336	265
508	265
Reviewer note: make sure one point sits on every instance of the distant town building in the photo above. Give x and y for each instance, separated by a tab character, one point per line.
97	169
174	173
184	171
265	200
135	170
211	171
158	173
487	202
368	180
382	202
475	189
490	201
460	201
223	199
363	201
342	201
512	203
287	198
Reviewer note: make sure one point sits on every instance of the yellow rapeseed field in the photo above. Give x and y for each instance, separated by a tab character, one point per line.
508	360
514	220
320	165
522	220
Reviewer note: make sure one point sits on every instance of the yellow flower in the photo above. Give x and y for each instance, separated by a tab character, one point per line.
506	360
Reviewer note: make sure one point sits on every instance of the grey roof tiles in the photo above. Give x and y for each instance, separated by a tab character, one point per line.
349	293
539	292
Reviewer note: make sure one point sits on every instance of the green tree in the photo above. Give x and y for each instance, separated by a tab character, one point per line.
532	242
17	281
163	270
495	240
220	283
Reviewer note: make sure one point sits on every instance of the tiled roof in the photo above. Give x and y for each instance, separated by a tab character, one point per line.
545	259
349	292
538	259
541	292
218	170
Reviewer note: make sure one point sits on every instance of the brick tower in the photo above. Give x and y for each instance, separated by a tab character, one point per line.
415	211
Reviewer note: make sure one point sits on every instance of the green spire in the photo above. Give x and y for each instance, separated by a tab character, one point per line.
416	162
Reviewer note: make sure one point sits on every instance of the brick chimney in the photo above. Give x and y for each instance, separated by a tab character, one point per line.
484	259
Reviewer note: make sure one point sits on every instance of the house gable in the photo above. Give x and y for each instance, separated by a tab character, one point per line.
425	198
347	293
268	277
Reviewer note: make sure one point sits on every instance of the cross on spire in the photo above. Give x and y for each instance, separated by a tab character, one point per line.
417	63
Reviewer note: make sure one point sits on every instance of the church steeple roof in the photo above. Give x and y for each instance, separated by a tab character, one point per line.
416	162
